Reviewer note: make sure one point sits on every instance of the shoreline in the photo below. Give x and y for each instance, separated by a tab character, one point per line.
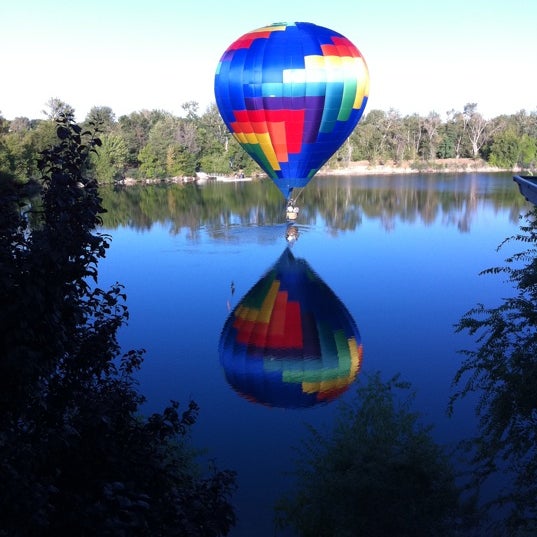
358	168
465	165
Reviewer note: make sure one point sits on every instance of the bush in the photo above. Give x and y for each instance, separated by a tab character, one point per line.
379	473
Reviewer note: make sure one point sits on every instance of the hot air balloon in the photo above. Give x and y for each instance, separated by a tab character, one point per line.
290	342
291	94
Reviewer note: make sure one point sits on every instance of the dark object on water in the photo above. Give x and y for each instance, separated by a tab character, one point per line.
527	184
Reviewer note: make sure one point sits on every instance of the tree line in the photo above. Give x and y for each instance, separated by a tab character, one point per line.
155	144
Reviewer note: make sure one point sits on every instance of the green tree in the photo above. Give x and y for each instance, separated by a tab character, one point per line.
446	145
414	135
502	372
44	135
431	125
135	129
56	109
378	473
152	164
510	148
527	157
192	110
110	159
77	457
6	159
4	124
505	149
101	118
368	138
215	140
180	162
456	129
170	150
20	146
214	135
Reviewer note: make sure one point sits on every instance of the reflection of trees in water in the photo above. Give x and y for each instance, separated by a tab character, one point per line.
216	206
502	371
341	202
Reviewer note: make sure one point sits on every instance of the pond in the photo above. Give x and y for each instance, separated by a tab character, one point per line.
395	260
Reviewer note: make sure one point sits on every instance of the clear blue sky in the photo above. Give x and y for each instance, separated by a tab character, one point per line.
157	54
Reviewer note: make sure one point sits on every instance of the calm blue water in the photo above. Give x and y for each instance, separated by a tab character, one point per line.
402	253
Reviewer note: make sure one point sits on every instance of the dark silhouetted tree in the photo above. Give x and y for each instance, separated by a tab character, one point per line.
502	372
379	473
77	457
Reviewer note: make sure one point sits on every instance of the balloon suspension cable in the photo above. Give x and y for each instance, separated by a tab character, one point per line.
298	196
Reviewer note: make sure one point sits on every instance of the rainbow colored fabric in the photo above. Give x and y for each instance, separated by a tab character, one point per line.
291	94
290	342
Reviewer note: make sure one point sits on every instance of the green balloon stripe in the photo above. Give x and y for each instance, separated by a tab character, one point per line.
255	151
334	363
255	298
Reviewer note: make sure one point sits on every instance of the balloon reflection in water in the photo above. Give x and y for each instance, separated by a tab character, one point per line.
290	342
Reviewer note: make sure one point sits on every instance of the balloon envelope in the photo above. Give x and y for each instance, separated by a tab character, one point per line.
291	93
290	342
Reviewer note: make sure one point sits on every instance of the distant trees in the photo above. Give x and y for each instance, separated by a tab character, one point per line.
134	129
171	148
101	118
479	130
387	136
77	456
515	142
454	141
57	109
160	144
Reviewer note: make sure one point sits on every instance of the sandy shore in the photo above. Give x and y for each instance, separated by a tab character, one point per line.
438	166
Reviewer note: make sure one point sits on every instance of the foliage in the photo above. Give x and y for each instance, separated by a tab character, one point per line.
510	148
21	144
527	156
76	455
180	162
110	160
171	149
161	145
378	473
502	371
135	128
152	163
101	118
58	109
505	149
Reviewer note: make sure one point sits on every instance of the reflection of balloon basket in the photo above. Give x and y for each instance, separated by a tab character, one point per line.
291	233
